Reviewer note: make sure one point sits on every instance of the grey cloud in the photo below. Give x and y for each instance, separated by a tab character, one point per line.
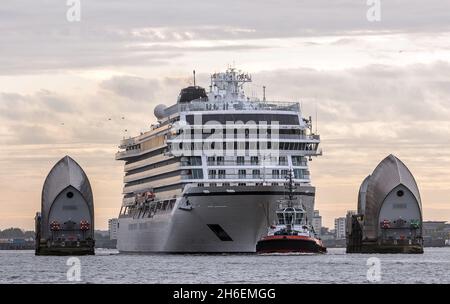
101	116
353	103
10	97
134	88
55	102
41	105
374	92
31	134
35	35
174	48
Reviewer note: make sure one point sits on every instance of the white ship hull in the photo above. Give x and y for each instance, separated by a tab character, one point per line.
219	221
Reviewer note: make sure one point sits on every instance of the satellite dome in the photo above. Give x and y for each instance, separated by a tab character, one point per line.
192	93
160	111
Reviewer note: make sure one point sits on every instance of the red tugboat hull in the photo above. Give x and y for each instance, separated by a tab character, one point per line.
290	244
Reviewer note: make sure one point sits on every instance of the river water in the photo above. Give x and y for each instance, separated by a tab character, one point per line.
107	266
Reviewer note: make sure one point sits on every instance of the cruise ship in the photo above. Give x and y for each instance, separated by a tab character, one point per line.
206	178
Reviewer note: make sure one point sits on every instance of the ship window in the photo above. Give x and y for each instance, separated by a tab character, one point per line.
241	173
299	173
195	161
69	207
198	146
299	218
400	193
240	160
256	173
399	206
220	161
289	217
254	160
298	161
212	174
276	174
222	174
69	194
197	173
282	161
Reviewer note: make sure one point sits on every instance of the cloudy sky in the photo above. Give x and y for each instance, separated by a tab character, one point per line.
379	87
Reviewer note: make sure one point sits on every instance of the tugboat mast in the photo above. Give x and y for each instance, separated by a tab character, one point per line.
290	186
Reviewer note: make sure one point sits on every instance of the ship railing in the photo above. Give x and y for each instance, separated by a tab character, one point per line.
215	136
246	163
241	161
126	142
127	153
236	105
148	208
250	176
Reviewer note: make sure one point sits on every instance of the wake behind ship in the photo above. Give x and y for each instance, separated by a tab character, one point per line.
208	175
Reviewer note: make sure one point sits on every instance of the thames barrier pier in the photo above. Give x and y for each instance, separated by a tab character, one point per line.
389	216
65	225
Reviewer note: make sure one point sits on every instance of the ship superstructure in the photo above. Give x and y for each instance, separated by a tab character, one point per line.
208	175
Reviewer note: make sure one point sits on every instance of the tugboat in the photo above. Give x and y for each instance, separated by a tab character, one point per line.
291	233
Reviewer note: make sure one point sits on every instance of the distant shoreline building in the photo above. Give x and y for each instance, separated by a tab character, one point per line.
436	233
112	228
339	227
317	222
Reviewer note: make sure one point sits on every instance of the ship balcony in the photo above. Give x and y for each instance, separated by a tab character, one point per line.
120	155
148	161
158	171
317	152
126	142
